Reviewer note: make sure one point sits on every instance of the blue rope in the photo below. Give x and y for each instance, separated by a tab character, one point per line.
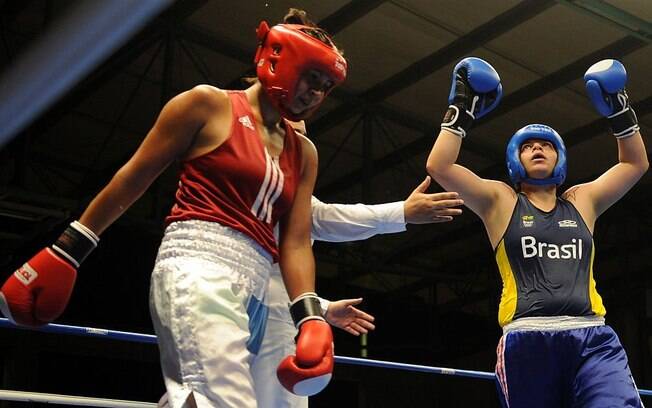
150	338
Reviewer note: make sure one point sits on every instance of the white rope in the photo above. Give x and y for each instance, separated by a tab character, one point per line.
24	396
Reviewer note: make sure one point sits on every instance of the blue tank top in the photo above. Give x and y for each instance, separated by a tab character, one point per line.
546	264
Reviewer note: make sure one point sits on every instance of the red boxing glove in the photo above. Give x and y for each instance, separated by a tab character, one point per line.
38	292
310	370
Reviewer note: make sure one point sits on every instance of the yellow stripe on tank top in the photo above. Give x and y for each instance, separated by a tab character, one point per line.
508	298
596	300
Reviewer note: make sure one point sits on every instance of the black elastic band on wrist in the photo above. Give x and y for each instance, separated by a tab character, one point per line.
305	308
624	121
74	245
458	120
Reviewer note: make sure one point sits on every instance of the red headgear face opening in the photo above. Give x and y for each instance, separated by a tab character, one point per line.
285	52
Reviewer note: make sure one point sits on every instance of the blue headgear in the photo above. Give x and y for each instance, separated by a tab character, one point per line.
515	167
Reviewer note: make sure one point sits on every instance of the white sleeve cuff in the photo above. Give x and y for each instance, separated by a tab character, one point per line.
393	217
324	303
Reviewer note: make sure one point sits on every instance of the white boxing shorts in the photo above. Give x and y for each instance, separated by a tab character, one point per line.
208	306
278	343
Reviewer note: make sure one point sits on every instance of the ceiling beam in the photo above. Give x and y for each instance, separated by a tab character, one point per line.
463	45
566	75
215	43
355	104
347	15
534	90
614	16
153	33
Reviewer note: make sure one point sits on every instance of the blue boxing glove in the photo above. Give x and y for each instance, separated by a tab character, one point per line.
475	91
605	84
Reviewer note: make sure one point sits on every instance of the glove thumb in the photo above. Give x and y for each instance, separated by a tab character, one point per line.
597	97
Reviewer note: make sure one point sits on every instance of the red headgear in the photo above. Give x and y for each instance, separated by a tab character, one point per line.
284	53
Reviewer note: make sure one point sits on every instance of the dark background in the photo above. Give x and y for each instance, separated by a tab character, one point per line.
434	289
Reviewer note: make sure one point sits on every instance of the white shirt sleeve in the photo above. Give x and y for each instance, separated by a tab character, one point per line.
352	222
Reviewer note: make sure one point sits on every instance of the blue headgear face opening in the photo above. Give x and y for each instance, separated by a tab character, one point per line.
514	166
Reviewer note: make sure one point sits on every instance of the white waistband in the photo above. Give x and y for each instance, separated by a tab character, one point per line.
212	242
553	323
197	233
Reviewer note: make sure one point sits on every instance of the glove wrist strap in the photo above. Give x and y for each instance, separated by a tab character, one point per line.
306	307
457	120
76	243
624	123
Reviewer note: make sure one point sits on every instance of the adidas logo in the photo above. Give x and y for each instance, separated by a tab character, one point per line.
246	122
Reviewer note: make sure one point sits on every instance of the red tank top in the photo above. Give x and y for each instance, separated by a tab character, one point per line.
239	184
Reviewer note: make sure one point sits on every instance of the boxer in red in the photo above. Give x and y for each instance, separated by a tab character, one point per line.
244	170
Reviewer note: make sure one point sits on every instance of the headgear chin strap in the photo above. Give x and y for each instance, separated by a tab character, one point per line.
285	52
515	168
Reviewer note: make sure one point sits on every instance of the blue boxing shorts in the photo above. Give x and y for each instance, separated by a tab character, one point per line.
563	362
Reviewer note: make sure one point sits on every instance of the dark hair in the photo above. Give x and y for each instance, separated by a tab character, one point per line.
297	16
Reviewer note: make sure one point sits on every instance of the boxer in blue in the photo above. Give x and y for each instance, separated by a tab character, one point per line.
556	350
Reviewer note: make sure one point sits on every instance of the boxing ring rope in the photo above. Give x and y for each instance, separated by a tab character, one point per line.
87	35
22	396
151	339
